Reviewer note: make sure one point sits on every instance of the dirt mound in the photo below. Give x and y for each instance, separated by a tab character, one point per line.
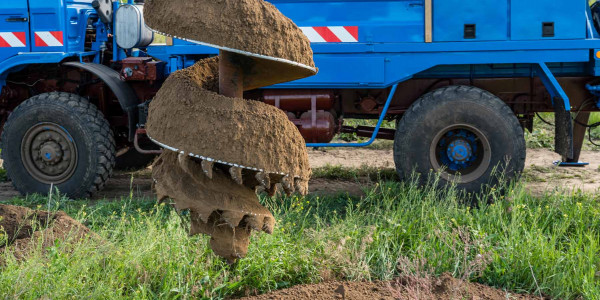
445	287
24	227
224	148
186	114
254	26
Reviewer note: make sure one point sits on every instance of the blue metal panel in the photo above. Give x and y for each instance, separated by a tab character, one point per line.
47	16
490	18
568	16
379	21
14	21
348	69
77	13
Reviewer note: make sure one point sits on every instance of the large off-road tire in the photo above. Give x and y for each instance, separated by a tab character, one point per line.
60	139
467	134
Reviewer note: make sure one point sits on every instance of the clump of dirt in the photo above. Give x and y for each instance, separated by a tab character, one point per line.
236	145
444	287
219	206
254	26
186	114
23	227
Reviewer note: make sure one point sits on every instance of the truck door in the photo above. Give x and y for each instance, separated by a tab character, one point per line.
14	28
47	25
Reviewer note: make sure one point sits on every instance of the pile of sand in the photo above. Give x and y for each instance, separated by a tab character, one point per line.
254	26
24	228
225	148
444	287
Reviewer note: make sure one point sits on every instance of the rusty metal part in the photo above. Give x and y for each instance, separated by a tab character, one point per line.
316	127
48	153
367	131
136	144
368	103
231	75
299	100
142	69
579	134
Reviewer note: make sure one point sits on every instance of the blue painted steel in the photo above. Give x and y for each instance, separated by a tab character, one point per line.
571	164
568	16
451	16
375	132
552	85
14	9
458	149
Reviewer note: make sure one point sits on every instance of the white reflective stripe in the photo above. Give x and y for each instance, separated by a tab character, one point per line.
312	35
49	39
11	39
342	34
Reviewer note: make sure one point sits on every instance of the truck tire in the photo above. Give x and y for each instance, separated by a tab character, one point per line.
464	133
60	139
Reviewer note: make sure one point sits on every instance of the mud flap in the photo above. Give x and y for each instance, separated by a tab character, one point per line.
563	140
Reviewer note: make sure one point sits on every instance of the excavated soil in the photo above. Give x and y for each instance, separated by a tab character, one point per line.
219	207
24	227
444	287
188	115
254	26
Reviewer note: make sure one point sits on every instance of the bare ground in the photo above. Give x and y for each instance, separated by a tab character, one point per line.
540	174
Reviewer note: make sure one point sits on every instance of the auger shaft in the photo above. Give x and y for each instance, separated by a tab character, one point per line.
231	75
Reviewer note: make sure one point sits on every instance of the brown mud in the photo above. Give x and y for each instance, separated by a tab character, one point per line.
25	227
219	207
225	148
188	115
444	287
254	26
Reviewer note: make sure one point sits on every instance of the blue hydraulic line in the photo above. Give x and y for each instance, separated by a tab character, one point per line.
373	137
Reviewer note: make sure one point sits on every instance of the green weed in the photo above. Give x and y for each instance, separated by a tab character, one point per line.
547	245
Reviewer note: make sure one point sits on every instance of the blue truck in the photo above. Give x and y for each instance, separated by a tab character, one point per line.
463	79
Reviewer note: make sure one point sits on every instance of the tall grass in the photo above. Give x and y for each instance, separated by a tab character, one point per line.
548	245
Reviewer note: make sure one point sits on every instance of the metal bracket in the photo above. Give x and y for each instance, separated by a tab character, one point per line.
563	139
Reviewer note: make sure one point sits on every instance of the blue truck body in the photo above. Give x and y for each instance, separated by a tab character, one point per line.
375	57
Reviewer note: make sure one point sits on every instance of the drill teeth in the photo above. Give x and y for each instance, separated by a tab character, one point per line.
263	179
272	191
207	167
236	175
301	186
287	185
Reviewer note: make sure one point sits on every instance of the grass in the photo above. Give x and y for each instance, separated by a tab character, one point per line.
543	134
547	245
338	172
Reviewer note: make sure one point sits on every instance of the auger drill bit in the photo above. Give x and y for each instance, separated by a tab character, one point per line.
222	146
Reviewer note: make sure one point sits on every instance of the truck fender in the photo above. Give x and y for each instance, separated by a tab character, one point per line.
119	87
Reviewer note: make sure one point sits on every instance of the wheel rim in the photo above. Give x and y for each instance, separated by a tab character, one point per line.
461	153
49	153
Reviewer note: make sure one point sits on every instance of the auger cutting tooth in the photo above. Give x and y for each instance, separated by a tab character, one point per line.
207	167
264	179
268	225
301	186
254	222
287	185
272	191
236	175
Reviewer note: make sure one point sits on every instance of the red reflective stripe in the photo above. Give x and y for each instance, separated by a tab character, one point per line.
3	43
21	36
39	42
353	30
327	35
58	35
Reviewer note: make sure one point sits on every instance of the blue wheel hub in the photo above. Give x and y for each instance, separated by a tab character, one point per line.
458	149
